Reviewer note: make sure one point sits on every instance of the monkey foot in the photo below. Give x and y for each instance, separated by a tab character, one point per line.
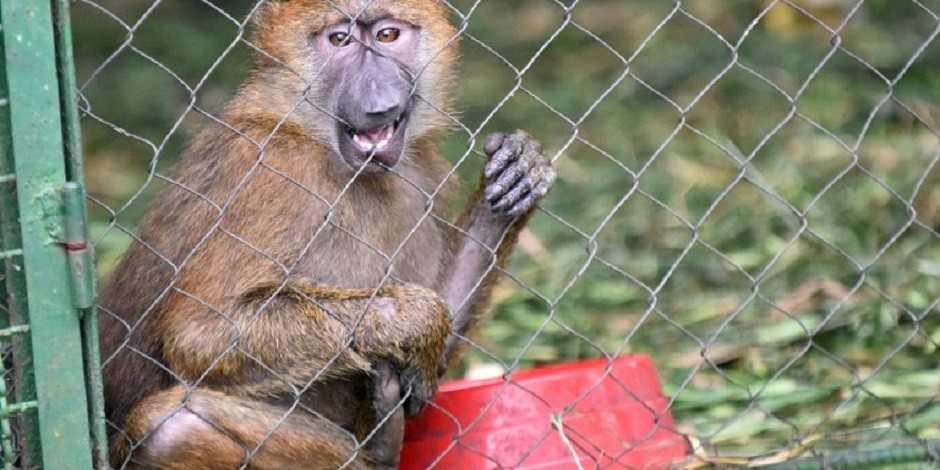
385	444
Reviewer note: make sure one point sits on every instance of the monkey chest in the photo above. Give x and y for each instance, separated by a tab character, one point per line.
366	247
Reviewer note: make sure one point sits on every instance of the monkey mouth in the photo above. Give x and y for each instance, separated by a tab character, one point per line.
370	139
375	149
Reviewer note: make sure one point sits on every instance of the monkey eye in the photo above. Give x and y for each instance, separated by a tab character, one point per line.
388	35
339	39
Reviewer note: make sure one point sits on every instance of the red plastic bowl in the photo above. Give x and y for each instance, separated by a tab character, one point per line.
611	414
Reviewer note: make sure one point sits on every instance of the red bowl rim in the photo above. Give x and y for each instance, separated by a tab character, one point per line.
601	365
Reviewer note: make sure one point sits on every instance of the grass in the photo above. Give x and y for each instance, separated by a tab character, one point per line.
753	207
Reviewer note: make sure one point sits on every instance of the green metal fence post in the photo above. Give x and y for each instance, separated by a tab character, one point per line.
74	173
40	166
19	376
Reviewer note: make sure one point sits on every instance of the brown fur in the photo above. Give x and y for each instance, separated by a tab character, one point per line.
243	301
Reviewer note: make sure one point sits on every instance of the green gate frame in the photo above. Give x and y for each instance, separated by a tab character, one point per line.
57	418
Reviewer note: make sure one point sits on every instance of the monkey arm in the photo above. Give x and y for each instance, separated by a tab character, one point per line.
515	179
484	245
298	332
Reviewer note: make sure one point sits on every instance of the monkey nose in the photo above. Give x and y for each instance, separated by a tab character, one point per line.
383	103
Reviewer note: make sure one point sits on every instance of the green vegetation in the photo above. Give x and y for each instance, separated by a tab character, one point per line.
752	206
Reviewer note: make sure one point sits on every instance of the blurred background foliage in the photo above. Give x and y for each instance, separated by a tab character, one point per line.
754	201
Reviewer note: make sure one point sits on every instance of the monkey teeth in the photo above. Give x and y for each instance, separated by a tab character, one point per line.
374	138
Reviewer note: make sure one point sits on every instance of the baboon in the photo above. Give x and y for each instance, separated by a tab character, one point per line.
297	288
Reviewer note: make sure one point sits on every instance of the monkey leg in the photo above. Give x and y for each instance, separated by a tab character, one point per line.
213	431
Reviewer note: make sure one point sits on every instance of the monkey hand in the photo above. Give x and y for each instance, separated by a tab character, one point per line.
517	175
415	324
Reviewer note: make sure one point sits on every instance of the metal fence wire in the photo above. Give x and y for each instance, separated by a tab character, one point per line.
748	192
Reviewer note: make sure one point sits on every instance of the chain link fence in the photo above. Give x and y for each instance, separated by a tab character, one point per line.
748	192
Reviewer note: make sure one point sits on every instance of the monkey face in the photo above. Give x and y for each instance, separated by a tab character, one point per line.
371	76
370	62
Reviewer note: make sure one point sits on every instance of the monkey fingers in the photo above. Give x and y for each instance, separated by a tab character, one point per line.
518	173
510	198
503	149
419	389
493	142
510	163
545	180
514	173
